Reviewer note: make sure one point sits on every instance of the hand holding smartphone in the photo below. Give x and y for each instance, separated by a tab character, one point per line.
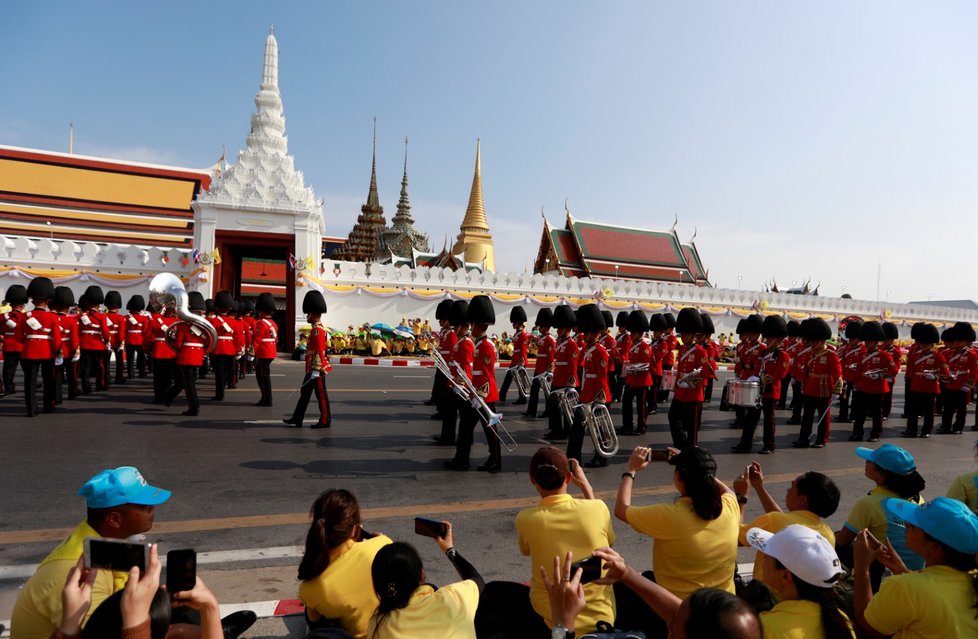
430	527
181	570
590	569
658	455
117	555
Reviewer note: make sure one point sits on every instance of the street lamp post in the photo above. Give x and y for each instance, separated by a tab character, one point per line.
740	278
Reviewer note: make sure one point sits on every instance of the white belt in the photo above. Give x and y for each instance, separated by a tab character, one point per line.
38	337
265	339
159	339
227	337
133	331
115	332
589	376
91	332
476	373
193	344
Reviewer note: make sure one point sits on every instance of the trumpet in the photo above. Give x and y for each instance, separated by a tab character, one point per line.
522	379
597	419
634	369
688	377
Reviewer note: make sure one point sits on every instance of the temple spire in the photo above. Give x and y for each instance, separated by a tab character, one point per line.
373	199
403	214
475	240
270	72
475	213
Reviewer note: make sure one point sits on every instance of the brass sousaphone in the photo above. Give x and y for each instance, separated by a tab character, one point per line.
167	291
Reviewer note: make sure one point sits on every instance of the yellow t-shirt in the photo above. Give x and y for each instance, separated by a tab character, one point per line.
795	619
775	521
688	552
37	612
446	613
934	602
345	590
561	523
868	512
965	488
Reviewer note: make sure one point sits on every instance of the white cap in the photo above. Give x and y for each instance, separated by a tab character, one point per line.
804	552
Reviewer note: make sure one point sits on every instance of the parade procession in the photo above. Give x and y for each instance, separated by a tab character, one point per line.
237	395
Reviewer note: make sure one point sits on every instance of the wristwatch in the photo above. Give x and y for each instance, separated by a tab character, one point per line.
559	632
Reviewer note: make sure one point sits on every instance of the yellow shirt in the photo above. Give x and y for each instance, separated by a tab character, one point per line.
561	523
446	613
688	552
934	602
345	590
795	619
965	488
868	512
775	521
37	612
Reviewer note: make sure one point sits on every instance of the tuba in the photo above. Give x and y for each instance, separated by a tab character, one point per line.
567	401
598	422
522	379
167	291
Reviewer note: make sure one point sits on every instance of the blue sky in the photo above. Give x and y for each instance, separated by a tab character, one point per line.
800	140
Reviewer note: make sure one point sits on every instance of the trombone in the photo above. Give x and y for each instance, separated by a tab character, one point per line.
465	389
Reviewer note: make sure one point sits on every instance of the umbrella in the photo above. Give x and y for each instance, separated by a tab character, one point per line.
403	333
386	328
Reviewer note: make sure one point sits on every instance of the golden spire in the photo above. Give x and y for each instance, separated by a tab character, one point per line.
475	240
475	214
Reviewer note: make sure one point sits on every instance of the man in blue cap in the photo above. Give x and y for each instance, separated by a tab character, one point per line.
120	504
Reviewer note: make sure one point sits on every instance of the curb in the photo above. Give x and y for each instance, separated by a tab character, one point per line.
429	363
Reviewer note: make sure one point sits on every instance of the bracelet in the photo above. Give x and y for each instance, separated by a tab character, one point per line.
628	473
741	499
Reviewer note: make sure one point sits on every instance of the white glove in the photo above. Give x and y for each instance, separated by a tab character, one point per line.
682	384
251	358
314	374
872	375
753	378
930	376
59	360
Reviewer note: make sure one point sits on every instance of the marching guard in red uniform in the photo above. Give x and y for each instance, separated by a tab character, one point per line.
771	372
521	349
463	356
93	337
136	336
594	388
891	333
115	322
566	355
12	347
190	343
164	358
821	379
658	326
264	345
40	332
619	354
438	387
669	346
451	405
692	368
67	370
317	365
925	366
230	344
875	375
637	373
850	355
544	362
962	363
480	316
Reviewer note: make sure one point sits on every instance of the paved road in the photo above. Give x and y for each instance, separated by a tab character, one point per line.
243	482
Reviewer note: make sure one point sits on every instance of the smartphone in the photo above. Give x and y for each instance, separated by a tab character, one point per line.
181	570
590	569
430	527
658	455
115	554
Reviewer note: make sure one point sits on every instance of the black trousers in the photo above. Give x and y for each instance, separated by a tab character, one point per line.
822	406
186	382
955	410
534	399
575	439
684	422
920	405
438	387
845	400
135	360
92	364
751	417
164	373
507	380
616	382
555	416
796	400
449	409
870	406
263	368
67	373
467	418
119	365
652	395
222	365
31	368
887	402
634	395
10	361
664	392
312	386
785	383
708	390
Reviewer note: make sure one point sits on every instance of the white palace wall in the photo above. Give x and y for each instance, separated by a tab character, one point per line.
358	292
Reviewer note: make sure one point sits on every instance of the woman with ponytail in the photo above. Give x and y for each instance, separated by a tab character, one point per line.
409	607
941	600
801	568
336	587
695	538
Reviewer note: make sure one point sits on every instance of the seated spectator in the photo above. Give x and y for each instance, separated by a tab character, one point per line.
120	504
801	567
559	524
409	607
336	586
812	497
707	612
894	472
941	600
964	488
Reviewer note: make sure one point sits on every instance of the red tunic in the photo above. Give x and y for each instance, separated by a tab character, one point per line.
484	370
159	326
69	334
622	346
248	324
850	357
924	368
659	348
671	344
463	355
264	340
640	353
545	353
896	354
10	342
521	342
774	364
40	332
135	326
962	364
316	358
610	345
565	364
822	372
692	357
876	371
93	334
230	338
114	322
748	362
595	387
189	341
799	362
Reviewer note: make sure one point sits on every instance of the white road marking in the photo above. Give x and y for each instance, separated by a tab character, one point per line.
414	376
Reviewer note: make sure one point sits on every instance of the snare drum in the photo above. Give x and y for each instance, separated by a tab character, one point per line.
669	380
743	393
